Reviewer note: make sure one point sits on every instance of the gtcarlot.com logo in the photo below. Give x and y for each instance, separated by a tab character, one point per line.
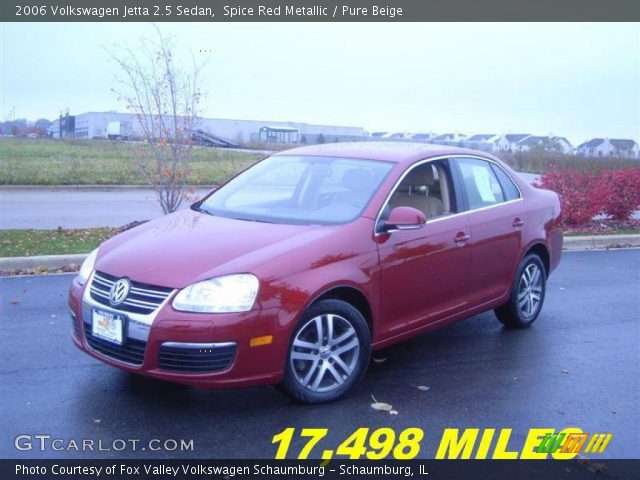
46	442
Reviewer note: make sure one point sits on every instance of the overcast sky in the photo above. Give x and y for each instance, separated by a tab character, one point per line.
575	80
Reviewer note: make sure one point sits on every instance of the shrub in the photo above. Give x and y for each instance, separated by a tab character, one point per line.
620	192
579	192
615	193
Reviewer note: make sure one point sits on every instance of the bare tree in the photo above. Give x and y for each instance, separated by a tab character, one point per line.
165	98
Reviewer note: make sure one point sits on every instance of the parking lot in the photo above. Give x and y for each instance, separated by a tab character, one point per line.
577	366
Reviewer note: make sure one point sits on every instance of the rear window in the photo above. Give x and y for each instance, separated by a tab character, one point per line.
480	183
509	188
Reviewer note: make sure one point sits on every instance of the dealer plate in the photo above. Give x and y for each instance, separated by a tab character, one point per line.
107	326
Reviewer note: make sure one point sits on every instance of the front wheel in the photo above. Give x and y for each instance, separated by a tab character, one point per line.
527	294
328	354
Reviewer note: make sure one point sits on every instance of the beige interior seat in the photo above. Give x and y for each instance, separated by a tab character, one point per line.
413	191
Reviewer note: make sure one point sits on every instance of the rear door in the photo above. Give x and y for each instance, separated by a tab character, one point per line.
495	222
424	272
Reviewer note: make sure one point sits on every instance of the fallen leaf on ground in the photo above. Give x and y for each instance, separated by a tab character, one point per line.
561	412
380	406
423	388
565	371
383	407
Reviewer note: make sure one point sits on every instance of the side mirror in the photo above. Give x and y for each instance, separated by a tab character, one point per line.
404	218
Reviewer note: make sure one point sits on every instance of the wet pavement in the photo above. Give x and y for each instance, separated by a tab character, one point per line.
578	365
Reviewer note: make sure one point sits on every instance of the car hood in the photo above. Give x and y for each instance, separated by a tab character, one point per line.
189	246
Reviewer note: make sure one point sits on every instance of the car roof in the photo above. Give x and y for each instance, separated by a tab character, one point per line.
398	152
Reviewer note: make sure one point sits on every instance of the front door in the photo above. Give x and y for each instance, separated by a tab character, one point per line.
424	272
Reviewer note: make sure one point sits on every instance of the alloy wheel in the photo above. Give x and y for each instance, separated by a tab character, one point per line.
530	290
324	353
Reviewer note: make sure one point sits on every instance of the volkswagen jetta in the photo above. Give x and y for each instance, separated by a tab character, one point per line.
293	271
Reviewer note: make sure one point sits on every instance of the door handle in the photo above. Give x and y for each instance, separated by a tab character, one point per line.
461	237
518	222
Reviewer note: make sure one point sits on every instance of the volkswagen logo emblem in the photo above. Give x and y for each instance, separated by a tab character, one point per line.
119	291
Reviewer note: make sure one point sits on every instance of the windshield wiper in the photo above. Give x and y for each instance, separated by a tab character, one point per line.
198	208
253	220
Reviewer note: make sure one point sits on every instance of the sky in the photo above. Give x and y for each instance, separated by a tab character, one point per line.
569	79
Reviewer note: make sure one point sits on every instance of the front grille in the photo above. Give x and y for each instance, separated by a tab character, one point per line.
196	360
131	351
142	298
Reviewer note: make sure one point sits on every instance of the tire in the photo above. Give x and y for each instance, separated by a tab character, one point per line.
522	309
320	371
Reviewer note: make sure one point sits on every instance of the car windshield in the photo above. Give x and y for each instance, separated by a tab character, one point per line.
299	190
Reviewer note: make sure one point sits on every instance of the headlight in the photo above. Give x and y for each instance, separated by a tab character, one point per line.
231	293
87	267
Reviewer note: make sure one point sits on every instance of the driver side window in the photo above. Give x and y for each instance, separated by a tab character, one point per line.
426	188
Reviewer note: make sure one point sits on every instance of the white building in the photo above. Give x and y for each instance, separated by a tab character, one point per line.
94	125
508	142
454	139
541	143
482	141
605	147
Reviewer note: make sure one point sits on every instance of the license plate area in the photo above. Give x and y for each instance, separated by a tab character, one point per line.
107	326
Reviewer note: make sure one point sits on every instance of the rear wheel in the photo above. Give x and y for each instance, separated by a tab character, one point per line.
328	354
527	294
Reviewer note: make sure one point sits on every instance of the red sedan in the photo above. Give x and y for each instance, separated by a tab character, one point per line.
293	271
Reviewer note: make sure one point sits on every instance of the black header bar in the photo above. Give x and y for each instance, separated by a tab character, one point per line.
319	10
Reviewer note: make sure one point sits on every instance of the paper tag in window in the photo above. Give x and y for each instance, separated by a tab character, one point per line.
483	182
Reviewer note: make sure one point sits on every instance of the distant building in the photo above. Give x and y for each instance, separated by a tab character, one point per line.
454	139
482	141
508	142
396	136
401	136
96	124
481	137
605	147
548	144
377	134
423	137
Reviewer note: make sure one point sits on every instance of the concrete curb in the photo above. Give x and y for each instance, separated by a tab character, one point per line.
601	242
53	262
49	262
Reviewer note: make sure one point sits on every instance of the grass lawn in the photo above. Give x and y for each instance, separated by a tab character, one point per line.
25	161
25	243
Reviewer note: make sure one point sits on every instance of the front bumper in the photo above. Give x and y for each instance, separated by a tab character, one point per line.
203	350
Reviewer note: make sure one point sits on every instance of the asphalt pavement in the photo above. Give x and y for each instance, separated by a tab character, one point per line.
578	365
48	208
